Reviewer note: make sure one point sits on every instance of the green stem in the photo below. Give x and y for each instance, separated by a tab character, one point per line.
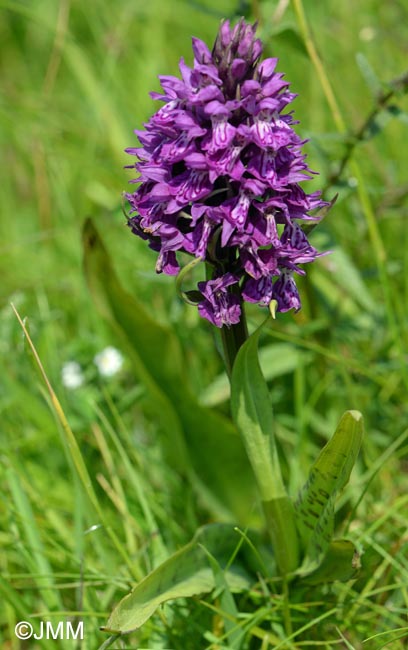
232	338
280	521
286	608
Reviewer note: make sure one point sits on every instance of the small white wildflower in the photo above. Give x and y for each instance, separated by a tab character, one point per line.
109	361
71	375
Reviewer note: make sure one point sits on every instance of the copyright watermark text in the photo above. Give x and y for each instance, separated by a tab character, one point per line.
49	630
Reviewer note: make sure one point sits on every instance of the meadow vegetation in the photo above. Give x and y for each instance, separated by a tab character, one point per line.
80	525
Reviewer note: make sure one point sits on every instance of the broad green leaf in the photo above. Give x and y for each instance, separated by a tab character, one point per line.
196	438
217	456
341	562
189	572
329	474
252	411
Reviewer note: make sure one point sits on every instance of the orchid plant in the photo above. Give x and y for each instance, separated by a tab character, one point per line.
219	168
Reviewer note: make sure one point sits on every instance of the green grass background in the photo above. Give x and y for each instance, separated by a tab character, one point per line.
75	79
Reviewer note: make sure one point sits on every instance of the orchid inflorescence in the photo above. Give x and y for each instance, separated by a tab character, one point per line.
219	170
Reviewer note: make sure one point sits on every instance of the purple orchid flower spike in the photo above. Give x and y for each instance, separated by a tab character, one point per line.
219	169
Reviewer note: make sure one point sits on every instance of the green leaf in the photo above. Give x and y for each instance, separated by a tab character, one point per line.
252	411
341	562
329	474
189	572
196	438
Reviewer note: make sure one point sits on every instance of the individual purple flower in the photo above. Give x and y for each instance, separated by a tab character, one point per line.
220	306
219	167
285	293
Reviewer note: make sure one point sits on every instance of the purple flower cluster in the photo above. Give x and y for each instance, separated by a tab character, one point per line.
219	170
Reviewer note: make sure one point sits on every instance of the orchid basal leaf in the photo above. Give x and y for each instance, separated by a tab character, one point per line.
252	411
341	562
329	474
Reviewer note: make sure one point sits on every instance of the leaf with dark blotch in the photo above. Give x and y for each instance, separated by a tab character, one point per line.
329	474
